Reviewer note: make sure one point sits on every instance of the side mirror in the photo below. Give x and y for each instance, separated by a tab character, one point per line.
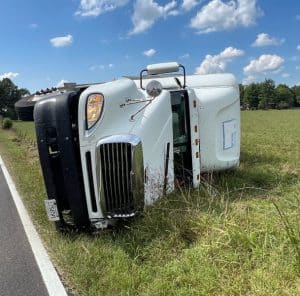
154	88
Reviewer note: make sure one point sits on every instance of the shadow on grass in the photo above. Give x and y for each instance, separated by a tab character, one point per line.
251	158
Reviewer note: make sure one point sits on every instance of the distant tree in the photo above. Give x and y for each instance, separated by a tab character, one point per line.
24	91
296	90
263	104
9	94
284	97
251	96
267	94
242	94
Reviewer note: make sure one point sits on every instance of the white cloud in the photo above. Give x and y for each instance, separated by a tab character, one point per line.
61	83
101	67
97	7
150	52
265	63
146	12
249	79
185	56
10	75
188	5
185	6
219	16
298	47
174	12
97	67
264	39
33	26
104	41
295	58
285	75
297	67
62	41
218	63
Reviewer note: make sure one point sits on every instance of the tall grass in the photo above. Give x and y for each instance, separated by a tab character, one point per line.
25	132
224	238
291	225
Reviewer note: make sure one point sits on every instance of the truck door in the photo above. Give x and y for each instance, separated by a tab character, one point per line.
183	169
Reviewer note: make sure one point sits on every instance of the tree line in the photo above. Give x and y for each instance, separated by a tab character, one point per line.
263	95
9	95
266	95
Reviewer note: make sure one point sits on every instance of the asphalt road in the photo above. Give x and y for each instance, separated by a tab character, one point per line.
19	273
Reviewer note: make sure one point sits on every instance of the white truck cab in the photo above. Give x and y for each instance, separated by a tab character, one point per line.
108	150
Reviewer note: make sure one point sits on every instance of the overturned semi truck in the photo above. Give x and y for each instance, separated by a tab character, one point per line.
108	150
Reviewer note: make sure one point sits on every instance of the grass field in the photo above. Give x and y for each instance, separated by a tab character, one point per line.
238	234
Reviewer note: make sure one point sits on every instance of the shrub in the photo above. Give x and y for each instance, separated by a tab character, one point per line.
7	123
283	105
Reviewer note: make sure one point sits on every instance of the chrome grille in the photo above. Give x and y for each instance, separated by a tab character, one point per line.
116	169
120	175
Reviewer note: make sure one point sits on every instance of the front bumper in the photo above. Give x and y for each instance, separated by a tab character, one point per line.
57	139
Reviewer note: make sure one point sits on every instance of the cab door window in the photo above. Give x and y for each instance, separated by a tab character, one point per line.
181	137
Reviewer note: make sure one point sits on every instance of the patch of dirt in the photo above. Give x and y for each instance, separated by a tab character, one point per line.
32	154
31	150
289	168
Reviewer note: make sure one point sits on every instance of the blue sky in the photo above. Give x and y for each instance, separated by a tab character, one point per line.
45	42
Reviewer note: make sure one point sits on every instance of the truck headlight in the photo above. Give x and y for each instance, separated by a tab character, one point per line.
94	106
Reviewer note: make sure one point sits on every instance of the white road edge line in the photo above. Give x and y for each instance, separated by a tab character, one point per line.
48	272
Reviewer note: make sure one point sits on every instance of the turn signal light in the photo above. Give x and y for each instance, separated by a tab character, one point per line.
94	107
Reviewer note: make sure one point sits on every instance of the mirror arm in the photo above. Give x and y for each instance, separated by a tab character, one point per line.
184	76
141	78
145	70
140	110
132	102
